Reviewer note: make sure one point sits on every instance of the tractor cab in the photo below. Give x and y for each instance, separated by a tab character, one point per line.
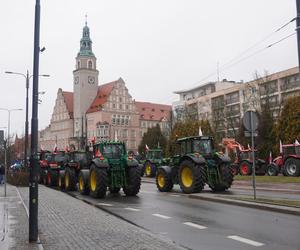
110	150
196	145
154	154
79	158
57	159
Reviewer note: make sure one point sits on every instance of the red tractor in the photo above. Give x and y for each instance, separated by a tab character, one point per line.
288	162
243	158
44	157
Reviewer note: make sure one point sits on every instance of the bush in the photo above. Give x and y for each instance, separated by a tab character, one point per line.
18	178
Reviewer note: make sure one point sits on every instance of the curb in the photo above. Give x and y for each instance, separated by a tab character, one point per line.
265	206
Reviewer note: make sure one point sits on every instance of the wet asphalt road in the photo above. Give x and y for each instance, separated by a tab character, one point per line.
199	224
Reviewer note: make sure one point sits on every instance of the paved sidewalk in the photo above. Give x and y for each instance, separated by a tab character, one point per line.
68	223
13	221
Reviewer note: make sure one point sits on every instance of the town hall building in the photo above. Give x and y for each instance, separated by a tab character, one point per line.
103	112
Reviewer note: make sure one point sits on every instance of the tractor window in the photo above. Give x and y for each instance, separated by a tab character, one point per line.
202	146
182	147
157	154
297	150
113	151
80	157
59	157
48	158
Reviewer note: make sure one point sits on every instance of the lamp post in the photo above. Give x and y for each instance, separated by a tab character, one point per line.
27	77
7	143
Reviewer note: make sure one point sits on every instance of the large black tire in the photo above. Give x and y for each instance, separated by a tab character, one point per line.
83	182
245	168
272	169
70	179
226	175
149	169
52	178
133	178
292	167
191	177
98	182
164	181
61	180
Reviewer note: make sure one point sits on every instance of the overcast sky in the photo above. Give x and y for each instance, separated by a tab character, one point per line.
156	46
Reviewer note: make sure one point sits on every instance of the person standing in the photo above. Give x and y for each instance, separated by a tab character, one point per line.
2	172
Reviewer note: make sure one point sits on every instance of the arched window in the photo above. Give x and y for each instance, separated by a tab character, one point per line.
78	64
90	64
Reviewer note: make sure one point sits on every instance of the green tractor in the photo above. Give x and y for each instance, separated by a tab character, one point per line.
77	160
197	164
154	159
112	168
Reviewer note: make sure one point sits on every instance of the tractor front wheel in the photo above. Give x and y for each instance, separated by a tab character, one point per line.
83	183
245	168
70	179
191	177
150	169
292	167
164	181
133	178
272	169
98	182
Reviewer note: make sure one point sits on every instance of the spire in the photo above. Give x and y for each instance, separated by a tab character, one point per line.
86	42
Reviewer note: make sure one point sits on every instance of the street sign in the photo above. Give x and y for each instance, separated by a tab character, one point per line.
248	133
247	121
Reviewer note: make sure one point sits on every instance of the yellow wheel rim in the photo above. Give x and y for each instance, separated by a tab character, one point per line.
187	177
67	180
148	169
81	184
161	180
59	181
93	180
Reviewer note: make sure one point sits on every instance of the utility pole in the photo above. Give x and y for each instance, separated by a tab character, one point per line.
33	179
26	121
298	29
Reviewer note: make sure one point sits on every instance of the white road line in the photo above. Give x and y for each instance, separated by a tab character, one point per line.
175	195
244	240
191	224
162	216
148	192
132	209
104	204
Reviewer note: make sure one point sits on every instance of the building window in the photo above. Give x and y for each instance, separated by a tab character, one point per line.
90	64
120	106
133	133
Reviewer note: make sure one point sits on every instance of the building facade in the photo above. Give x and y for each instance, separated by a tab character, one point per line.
225	107
101	112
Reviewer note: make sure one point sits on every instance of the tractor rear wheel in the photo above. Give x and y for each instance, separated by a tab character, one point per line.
226	175
70	179
292	167
164	181
245	168
272	169
133	176
150	169
51	178
83	183
98	182
191	177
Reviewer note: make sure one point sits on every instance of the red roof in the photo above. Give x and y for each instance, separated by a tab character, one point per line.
103	93
68	96
153	111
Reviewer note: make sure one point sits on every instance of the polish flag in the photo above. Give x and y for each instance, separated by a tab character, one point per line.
270	158
200	132
147	148
297	143
55	147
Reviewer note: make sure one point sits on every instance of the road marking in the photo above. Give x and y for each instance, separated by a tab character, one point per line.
148	192
162	216
244	240
191	224
132	209
104	204
175	195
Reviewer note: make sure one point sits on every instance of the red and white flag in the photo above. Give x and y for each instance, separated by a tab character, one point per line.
297	143
280	147
200	132
147	148
55	147
270	158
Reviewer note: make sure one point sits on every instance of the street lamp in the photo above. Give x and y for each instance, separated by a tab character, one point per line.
7	143
27	77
